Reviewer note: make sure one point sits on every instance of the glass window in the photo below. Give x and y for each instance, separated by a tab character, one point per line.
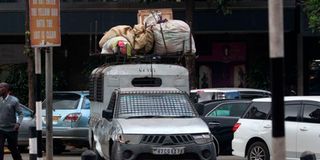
86	103
291	112
258	110
231	109
64	101
26	112
161	104
311	114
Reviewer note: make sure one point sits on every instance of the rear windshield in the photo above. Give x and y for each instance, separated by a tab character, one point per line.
157	105
65	101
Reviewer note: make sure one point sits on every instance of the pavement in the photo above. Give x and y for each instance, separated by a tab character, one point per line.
75	154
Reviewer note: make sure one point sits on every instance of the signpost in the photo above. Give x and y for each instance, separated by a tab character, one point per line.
44	32
45	23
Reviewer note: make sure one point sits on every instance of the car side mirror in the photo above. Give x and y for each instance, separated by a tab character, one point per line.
107	114
200	108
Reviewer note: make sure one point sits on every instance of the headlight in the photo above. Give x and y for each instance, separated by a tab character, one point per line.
202	138
128	138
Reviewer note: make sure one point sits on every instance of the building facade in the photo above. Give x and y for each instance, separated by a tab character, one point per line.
232	49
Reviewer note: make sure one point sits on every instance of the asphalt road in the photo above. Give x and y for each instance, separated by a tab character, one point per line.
75	154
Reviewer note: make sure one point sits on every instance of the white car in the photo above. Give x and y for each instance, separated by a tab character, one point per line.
253	132
207	94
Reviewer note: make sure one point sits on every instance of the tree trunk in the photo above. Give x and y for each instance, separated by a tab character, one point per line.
189	57
28	52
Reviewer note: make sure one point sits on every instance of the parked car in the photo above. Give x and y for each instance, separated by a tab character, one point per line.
27	122
206	94
70	116
220	116
253	132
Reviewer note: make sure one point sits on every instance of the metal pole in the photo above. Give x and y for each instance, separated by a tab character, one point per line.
32	143
276	57
49	141
37	59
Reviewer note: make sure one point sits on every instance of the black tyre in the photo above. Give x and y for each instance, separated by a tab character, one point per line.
58	147
258	151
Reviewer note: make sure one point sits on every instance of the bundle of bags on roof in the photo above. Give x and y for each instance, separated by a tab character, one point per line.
155	35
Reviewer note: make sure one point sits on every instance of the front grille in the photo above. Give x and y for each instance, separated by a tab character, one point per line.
167	139
187	156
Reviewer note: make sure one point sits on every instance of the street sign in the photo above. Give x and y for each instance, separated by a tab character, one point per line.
45	23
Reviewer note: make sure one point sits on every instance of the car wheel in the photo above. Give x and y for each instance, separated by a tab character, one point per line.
23	149
258	151
58	147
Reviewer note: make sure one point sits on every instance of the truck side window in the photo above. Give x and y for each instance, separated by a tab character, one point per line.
112	101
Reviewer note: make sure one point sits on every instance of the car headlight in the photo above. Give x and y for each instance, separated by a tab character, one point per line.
202	138
128	138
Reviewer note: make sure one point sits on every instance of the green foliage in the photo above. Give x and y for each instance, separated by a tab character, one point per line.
18	80
257	75
312	10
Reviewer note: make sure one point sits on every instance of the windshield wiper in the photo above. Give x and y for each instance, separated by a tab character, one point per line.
182	116
153	116
146	116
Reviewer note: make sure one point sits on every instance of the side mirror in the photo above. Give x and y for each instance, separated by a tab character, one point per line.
107	114
200	108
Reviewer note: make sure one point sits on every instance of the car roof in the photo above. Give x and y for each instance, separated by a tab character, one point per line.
225	101
291	98
225	89
76	92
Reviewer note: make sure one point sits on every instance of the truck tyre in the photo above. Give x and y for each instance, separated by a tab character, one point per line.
258	150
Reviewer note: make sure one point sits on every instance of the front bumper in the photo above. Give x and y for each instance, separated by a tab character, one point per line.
145	152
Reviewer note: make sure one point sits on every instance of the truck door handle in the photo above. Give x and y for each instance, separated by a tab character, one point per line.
267	126
303	129
214	123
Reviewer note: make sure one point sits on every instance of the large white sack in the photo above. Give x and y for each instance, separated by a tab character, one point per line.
176	35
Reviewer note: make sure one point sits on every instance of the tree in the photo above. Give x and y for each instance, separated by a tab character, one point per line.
312	10
30	60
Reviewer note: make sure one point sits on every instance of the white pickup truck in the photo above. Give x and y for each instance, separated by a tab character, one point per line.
143	111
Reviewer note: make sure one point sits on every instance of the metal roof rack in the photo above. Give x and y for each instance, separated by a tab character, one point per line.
170	58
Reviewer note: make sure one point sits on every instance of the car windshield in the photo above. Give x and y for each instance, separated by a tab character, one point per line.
64	101
157	105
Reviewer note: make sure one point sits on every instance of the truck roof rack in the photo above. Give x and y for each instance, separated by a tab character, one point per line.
172	58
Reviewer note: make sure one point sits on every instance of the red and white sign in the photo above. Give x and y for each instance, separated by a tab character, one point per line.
45	23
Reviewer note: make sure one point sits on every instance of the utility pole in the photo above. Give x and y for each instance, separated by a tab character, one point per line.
276	43
300	59
190	57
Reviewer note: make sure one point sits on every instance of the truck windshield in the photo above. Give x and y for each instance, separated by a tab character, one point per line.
156	105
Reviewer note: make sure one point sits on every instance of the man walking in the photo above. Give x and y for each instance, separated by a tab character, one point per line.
9	126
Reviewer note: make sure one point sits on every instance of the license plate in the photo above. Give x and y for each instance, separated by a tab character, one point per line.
168	150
